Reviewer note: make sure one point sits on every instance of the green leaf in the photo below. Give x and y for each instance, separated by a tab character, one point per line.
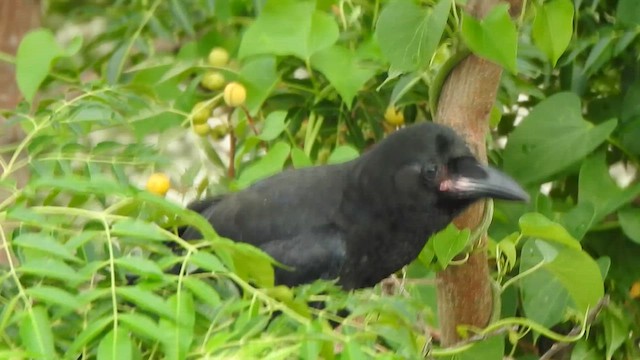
139	229
343	153
289	27
342	68
595	186
140	266
53	269
54	296
628	12
202	290
274	125
207	261
36	53
572	277
93	329
495	37
116	345
142	325
251	264
300	159
630	221
36	334
448	243
146	300
578	220
270	164
179	336
491	348
44	243
553	27
410	44
616	329
537	225
531	147
259	76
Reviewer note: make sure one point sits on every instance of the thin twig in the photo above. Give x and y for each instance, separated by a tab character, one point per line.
591	317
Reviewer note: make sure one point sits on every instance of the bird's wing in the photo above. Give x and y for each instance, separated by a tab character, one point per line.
316	255
281	207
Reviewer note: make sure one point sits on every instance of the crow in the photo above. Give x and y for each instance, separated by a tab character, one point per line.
359	221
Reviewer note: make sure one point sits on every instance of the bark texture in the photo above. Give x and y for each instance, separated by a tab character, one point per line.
17	17
467	96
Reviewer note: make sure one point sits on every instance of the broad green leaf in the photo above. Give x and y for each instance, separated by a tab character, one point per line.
146	300
553	27
289	27
495	37
36	334
536	225
630	221
140	266
202	290
139	229
616	329
274	125
252	264
572	278
44	243
410	44
300	159
53	269
585	351
551	138
36	53
342	153
578	220
448	243
491	348
142	325
270	164
595	186
54	296
628	12
116	345
259	76
342	68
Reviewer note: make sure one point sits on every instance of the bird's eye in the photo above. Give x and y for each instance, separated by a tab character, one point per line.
429	172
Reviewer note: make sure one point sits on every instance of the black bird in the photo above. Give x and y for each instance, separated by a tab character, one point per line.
362	220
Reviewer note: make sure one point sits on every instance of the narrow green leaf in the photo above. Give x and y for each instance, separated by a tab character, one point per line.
140	266
36	334
207	261
53	269
181	16
553	27
55	296
138	228
45	243
300	159
147	300
116	345
93	329
142	325
179	336
202	290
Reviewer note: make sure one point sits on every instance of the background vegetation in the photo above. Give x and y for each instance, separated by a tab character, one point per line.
114	102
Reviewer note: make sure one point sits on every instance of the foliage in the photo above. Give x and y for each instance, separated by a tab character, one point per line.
91	274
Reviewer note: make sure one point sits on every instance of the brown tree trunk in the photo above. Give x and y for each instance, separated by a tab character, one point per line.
17	17
466	99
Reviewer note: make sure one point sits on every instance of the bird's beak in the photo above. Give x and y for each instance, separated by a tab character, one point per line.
484	181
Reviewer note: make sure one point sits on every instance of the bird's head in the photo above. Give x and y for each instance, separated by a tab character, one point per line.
429	163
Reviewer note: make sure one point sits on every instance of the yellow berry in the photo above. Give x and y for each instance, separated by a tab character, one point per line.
213	80
634	292
201	129
394	116
158	184
234	94
218	57
201	112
